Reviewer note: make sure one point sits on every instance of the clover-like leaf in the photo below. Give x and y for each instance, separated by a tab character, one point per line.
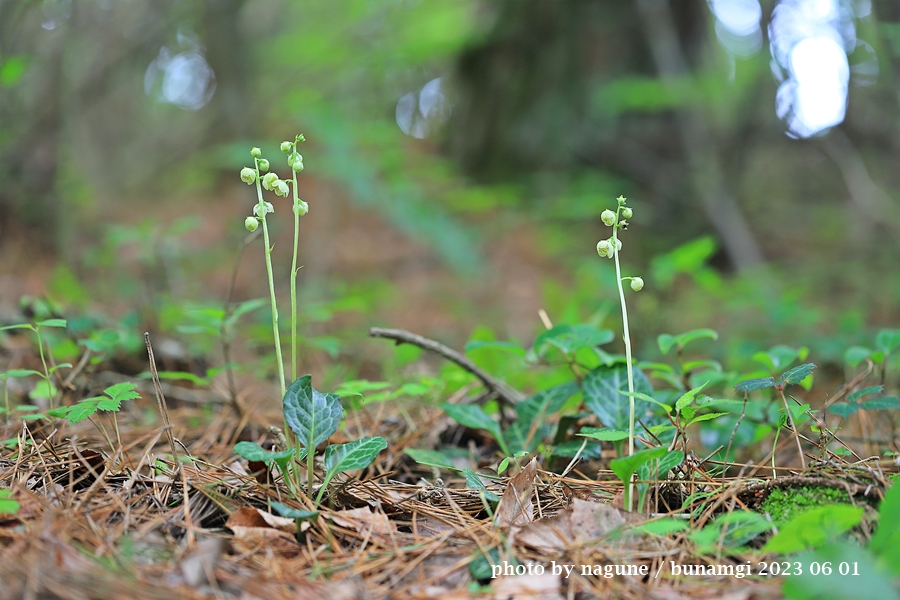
888	340
122	391
312	415
81	411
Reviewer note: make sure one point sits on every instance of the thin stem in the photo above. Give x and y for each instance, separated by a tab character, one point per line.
310	474
794	427
628	365
278	357
37	330
294	282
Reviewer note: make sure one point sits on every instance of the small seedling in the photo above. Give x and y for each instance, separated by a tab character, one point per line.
87	408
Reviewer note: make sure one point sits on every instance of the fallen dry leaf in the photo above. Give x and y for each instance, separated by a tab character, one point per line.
516	506
582	521
252	523
363	520
528	587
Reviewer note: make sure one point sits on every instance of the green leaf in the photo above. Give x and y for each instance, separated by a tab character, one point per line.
888	340
687	398
21	326
256	453
357	454
603	393
886	540
81	411
664	526
843	409
43	390
545	403
648	398
512	347
52	323
474	481
430	458
570	338
729	531
706	417
875	389
625	467
750	385
293	513
8	506
122	391
856	354
666	341
813	528
603	435
797	374
20	373
669	462
312	415
711	365
177	376
290	512
109	404
474	417
882	403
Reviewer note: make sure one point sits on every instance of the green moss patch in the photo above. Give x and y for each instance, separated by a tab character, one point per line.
785	504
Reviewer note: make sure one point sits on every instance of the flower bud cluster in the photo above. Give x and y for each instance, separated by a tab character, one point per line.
608	248
271	182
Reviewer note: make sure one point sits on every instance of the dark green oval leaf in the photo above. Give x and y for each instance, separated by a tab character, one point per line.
312	415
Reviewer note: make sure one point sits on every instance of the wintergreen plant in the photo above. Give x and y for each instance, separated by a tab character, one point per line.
314	417
610	248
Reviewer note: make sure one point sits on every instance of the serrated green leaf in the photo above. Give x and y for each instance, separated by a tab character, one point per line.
843	409
603	394
813	528
52	323
882	403
290	512
603	435
888	340
81	411
856	354
750	385
109	404
357	454
797	374
122	391
687	398
874	389
312	415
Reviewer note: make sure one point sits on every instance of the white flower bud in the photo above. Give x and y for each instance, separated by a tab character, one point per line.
637	284
248	175
255	152
263	165
295	162
261	210
281	188
301	208
627	212
251	223
286	147
603	248
608	217
268	181
617	242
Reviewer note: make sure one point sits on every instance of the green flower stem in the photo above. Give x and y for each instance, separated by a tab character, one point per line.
37	330
271	286
294	282
310	473
628	366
